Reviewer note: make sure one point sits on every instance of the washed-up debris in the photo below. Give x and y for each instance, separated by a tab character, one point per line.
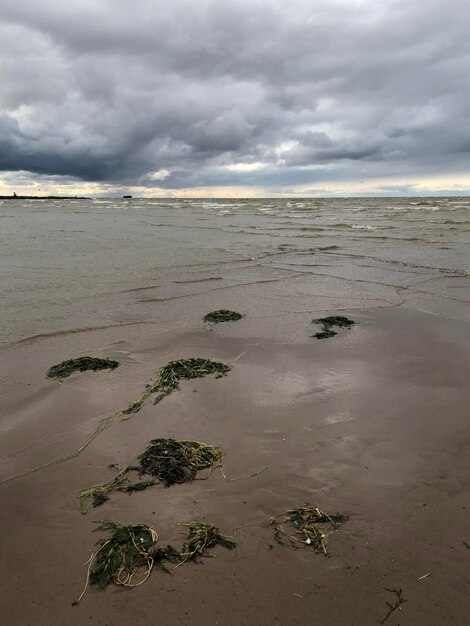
97	500
120	556
126	557
222	315
176	462
170	461
393	607
328	322
140	486
167	381
169	376
97	495
201	537
312	527
81	364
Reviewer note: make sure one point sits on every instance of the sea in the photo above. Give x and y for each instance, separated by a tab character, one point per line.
67	265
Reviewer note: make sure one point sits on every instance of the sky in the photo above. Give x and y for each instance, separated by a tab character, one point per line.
235	98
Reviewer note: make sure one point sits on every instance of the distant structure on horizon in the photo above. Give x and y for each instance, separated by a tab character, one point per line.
15	196
127	197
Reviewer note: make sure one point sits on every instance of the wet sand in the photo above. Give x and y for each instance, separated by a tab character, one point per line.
372	423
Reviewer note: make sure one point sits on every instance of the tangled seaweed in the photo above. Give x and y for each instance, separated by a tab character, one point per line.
328	322
170	461
167	381
175	462
222	315
97	495
128	551
120	556
201	537
133	549
169	376
81	364
312	527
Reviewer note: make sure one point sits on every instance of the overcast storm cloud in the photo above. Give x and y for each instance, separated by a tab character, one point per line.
266	93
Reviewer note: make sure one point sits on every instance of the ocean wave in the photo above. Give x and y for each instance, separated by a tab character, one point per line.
449	221
198	280
70	331
363	227
288	228
218	205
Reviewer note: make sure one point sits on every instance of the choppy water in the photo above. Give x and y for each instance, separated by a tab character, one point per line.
75	263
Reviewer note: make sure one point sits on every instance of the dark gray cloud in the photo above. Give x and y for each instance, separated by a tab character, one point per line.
250	92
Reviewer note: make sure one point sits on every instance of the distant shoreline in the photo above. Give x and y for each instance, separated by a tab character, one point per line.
44	198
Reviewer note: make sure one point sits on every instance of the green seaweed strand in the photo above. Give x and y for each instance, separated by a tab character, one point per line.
167	381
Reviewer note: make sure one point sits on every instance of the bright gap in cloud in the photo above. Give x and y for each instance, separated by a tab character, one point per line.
162	174
244	167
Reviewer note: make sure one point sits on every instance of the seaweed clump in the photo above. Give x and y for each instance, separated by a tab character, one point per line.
222	315
81	364
312	527
201	537
328	322
170	461
129	550
169	376
175	462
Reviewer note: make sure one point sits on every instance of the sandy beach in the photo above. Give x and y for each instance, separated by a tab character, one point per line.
372	423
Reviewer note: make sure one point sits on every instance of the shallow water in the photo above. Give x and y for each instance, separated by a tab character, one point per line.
80	263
